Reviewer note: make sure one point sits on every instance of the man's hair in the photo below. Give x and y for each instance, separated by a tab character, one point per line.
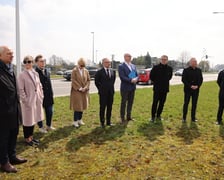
38	57
2	48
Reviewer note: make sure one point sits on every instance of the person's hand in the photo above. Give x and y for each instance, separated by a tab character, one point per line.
194	87
134	80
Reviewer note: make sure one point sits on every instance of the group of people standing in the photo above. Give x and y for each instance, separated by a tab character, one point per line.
22	101
160	75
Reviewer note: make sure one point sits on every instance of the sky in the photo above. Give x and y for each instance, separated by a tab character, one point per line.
63	28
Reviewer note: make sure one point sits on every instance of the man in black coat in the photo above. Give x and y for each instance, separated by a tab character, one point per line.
104	81
160	76
48	93
220	81
10	113
192	79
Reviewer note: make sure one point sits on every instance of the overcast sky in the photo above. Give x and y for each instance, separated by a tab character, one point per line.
63	28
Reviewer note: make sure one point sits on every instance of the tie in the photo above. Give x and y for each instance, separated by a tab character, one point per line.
108	73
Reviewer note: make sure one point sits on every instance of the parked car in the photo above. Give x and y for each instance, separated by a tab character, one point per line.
92	72
59	73
179	72
67	75
144	76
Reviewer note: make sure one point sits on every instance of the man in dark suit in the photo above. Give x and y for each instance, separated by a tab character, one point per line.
48	93
10	113
104	81
220	81
129	77
192	79
160	76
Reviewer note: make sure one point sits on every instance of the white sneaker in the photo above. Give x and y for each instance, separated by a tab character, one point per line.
76	124
81	122
42	130
50	128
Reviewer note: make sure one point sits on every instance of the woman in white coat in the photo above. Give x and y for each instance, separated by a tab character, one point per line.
31	97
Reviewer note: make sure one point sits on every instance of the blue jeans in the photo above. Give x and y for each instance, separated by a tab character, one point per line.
77	115
48	114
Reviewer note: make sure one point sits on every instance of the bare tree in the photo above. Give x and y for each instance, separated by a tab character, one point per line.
184	57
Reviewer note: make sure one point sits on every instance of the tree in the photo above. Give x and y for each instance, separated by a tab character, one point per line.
204	65
148	61
184	58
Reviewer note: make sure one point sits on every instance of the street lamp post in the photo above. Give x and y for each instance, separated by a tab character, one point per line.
18	63
218	12
93	48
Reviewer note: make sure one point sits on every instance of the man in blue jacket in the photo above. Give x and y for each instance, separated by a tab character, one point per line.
129	77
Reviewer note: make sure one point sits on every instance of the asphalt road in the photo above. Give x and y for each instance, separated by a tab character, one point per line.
62	87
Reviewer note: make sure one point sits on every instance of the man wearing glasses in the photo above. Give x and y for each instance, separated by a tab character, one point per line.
104	81
160	76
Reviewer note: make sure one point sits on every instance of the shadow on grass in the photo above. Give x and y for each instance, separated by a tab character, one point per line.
151	130
97	136
55	135
188	134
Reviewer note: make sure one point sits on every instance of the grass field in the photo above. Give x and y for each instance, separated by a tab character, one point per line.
139	150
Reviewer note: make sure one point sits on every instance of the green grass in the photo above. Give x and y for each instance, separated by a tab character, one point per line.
139	150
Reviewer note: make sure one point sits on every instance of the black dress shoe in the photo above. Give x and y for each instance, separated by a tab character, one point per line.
130	119
110	124
8	168
35	141
30	143
152	119
17	160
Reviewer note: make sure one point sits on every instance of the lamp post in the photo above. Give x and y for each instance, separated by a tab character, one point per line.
222	12
18	63
93	48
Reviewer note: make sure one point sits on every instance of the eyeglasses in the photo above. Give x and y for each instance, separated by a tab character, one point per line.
27	62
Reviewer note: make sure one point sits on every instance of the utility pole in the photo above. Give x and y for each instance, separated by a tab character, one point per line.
18	62
93	48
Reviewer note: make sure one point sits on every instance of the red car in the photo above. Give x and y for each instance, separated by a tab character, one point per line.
144	76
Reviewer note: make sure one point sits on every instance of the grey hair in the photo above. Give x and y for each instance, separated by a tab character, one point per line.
104	59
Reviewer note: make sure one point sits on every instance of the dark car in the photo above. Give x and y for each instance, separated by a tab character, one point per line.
92	72
67	75
144	76
179	72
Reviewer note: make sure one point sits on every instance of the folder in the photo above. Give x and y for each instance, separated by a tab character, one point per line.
132	75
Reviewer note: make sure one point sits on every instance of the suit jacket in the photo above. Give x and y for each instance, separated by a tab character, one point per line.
161	75
79	101
31	96
9	100
220	81
192	77
124	71
47	87
104	83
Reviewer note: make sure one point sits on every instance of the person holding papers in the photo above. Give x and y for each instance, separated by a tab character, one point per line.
129	77
160	75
